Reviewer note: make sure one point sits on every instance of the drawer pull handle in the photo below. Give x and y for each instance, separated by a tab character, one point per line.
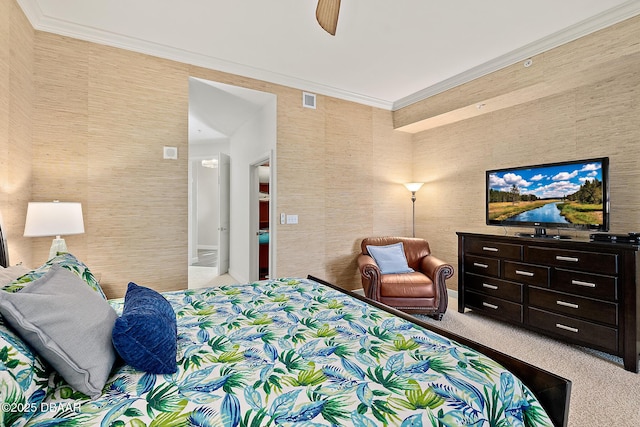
566	328
567	304
492	306
567	258
488	286
581	283
489	249
477	264
524	273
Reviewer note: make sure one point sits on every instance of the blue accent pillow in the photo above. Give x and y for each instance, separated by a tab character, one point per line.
390	258
145	336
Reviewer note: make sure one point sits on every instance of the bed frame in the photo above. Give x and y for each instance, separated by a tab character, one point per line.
553	392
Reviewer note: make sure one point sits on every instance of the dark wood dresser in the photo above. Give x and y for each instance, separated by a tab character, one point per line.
577	291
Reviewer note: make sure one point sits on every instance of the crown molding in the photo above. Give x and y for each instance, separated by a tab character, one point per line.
605	19
40	22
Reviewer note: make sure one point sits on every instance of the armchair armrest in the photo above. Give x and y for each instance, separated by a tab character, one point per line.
370	273
438	271
435	268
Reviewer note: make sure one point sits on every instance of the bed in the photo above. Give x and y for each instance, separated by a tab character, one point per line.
288	351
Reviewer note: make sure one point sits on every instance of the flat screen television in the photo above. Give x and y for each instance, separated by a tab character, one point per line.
571	194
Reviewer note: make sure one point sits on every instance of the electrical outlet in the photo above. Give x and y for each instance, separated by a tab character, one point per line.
283	218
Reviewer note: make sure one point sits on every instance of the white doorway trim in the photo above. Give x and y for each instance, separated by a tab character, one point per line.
254	214
224	209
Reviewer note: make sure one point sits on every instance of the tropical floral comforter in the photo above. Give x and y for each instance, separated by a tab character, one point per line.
295	352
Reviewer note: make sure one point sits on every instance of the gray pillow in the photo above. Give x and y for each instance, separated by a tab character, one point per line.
68	324
390	258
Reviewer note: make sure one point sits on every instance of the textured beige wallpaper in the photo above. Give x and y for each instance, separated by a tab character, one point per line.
16	104
100	117
590	108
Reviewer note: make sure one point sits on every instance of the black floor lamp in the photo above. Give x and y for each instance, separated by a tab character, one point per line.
413	187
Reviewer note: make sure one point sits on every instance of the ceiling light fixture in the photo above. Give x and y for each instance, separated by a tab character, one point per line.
210	163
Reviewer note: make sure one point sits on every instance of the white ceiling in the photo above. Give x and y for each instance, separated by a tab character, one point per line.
217	110
386	53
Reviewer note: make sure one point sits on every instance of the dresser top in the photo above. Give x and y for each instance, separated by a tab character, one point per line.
550	240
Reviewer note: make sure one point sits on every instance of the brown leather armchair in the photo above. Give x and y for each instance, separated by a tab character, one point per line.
422	291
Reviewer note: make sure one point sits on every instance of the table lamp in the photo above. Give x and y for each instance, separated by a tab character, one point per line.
54	219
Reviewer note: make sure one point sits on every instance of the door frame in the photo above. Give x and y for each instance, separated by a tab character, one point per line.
254	214
224	209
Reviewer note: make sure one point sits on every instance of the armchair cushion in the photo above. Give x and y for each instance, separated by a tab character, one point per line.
407	285
390	258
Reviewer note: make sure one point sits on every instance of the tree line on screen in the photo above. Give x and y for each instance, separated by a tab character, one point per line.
589	193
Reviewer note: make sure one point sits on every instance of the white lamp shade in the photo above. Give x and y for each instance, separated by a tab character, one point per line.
53	219
413	186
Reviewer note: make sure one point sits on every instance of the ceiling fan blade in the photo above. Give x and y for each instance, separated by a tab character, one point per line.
327	15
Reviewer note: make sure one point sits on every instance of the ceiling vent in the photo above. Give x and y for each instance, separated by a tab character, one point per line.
309	100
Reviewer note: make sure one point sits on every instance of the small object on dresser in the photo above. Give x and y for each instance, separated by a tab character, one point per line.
629	238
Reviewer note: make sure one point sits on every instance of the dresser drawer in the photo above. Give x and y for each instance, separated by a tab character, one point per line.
526	273
571	305
574	260
586	284
494	287
496	249
482	265
577	330
496	307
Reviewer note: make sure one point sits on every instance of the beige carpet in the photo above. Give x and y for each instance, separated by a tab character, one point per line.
602	394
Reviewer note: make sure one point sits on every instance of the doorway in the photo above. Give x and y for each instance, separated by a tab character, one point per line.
209	197
243	124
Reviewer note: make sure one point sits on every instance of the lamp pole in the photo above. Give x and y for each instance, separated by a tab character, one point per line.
413	212
413	187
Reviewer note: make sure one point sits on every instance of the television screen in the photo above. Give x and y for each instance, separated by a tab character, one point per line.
570	194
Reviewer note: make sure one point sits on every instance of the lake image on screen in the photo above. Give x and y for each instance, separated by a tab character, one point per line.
546	213
558	194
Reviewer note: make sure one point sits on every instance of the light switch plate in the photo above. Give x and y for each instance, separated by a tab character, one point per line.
292	219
